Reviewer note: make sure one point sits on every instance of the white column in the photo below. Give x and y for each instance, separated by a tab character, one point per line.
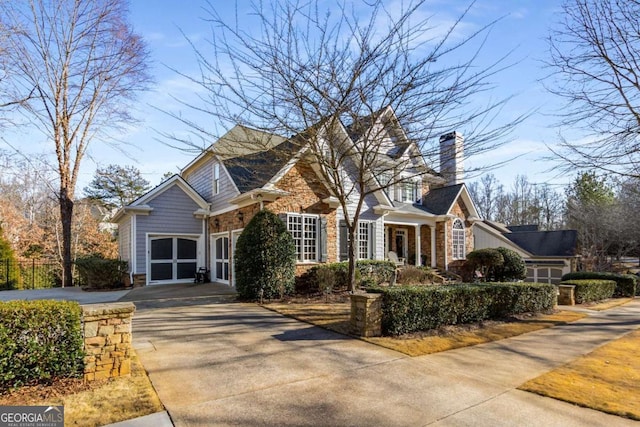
418	248
433	246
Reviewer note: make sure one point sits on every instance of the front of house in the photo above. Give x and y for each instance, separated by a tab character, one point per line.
193	219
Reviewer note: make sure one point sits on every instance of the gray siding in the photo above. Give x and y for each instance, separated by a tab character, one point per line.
201	179
172	213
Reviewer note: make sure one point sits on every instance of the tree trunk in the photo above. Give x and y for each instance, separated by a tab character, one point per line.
66	216
352	257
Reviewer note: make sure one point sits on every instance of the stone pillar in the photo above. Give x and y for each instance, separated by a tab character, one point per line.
366	314
566	295
107	340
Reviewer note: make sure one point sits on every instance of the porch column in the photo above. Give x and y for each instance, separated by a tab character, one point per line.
418	248
433	246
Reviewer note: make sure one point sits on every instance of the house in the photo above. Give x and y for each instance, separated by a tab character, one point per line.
194	219
548	254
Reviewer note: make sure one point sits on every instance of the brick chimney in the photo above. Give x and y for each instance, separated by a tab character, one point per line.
452	157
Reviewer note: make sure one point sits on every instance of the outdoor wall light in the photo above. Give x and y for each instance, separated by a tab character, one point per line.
241	217
216	222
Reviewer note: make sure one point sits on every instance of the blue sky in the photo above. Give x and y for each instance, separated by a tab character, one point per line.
522	29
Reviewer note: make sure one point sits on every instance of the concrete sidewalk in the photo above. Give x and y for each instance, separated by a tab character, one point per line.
239	364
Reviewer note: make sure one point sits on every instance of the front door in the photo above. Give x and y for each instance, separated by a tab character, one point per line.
220	258
401	243
172	259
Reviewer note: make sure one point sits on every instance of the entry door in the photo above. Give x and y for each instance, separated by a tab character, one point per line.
220	256
401	243
173	259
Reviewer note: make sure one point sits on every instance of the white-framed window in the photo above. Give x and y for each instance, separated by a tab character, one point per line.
409	191
363	240
304	230
385	179
457	239
216	179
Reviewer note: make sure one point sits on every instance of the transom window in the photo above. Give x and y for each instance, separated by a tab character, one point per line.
457	239
304	229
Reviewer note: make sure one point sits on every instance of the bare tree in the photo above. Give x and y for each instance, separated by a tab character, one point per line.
74	65
594	57
328	77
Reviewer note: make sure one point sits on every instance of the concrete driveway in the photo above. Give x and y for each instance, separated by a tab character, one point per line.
219	363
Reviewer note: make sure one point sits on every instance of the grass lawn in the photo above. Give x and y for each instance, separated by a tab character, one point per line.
336	318
96	403
607	379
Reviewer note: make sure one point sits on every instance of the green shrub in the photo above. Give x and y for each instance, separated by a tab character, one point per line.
412	275
591	290
368	273
39	341
97	272
265	259
418	308
626	284
485	260
512	269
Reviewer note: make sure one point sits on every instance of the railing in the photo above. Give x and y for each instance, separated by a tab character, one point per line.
29	274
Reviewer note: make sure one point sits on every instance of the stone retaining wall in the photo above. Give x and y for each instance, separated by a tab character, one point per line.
107	340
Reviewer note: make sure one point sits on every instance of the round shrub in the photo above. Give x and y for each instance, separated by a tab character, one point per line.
265	259
512	269
485	260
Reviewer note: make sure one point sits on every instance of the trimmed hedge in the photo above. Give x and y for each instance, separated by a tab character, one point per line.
591	290
39	341
98	272
368	273
418	308
626	284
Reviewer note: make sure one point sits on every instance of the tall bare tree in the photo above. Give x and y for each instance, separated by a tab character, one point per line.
75	65
594	57
294	68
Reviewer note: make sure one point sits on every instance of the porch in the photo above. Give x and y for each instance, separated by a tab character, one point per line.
416	244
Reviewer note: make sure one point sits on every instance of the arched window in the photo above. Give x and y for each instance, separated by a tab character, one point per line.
457	238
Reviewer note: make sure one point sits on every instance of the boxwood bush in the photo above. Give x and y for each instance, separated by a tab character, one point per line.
39	341
368	273
626	284
97	272
265	258
418	308
591	290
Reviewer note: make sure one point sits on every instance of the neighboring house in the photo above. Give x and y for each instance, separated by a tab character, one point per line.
548	254
193	220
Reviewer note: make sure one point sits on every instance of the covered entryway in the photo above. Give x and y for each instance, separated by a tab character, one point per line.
172	259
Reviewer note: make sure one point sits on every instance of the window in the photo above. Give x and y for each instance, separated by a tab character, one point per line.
409	191
304	230
216	179
385	179
363	240
457	239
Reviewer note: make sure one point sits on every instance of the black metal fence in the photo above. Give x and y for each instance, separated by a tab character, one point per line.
29	274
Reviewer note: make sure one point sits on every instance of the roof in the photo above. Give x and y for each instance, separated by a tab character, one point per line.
255	170
519	228
546	243
440	200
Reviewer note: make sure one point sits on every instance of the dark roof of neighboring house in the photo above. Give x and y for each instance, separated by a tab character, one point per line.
546	243
519	228
255	170
439	200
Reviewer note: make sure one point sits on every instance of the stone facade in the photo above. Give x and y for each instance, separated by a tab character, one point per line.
107	340
366	315
307	193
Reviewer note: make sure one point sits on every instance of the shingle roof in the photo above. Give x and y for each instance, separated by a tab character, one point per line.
255	170
546	243
519	228
439	200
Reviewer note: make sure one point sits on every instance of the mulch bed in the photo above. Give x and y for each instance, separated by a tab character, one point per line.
56	390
